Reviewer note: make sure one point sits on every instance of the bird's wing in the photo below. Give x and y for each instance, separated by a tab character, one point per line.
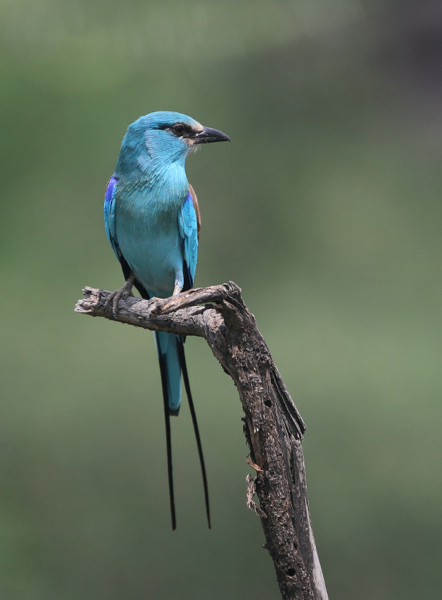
197	209
109	214
111	231
189	225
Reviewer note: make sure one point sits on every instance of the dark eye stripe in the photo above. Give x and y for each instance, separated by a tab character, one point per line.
179	129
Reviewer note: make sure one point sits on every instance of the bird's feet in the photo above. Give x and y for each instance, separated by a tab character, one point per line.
124	292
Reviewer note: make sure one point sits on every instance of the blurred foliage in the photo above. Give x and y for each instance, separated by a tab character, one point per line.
325	209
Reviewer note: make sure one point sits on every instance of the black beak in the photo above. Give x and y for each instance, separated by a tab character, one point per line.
208	135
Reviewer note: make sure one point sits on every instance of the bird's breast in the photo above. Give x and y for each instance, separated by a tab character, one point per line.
148	235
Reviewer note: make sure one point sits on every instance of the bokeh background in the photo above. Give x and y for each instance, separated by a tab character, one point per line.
325	209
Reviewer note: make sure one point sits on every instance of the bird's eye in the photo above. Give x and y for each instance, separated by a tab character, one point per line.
178	129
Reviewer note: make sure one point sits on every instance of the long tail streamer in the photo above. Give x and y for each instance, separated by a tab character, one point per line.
163	369
195	426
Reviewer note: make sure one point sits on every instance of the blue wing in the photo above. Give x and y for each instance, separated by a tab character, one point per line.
188	226
109	214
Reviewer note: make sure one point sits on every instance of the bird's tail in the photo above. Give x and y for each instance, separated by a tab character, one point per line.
172	360
167	347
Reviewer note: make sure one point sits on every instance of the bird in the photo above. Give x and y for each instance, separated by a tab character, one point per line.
152	221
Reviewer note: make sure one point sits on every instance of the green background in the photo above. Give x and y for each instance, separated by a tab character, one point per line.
325	209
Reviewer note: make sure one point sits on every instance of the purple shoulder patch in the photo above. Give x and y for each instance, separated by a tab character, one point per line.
110	189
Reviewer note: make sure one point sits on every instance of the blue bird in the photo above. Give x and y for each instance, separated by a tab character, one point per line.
152	221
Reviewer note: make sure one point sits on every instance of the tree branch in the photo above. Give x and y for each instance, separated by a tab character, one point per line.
272	424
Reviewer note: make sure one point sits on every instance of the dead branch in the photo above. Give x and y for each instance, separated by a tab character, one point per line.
272	424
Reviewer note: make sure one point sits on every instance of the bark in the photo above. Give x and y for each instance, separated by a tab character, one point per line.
272	424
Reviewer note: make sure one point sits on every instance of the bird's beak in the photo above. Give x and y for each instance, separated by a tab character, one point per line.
208	135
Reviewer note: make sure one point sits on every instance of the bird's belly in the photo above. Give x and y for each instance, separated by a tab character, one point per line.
152	248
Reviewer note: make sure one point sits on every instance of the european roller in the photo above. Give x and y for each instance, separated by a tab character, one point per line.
152	221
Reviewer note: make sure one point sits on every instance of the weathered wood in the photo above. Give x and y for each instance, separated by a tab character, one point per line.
272	424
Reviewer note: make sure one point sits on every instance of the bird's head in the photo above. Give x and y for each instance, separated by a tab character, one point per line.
161	138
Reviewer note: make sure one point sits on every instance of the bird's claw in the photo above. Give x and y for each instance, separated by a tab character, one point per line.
114	298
